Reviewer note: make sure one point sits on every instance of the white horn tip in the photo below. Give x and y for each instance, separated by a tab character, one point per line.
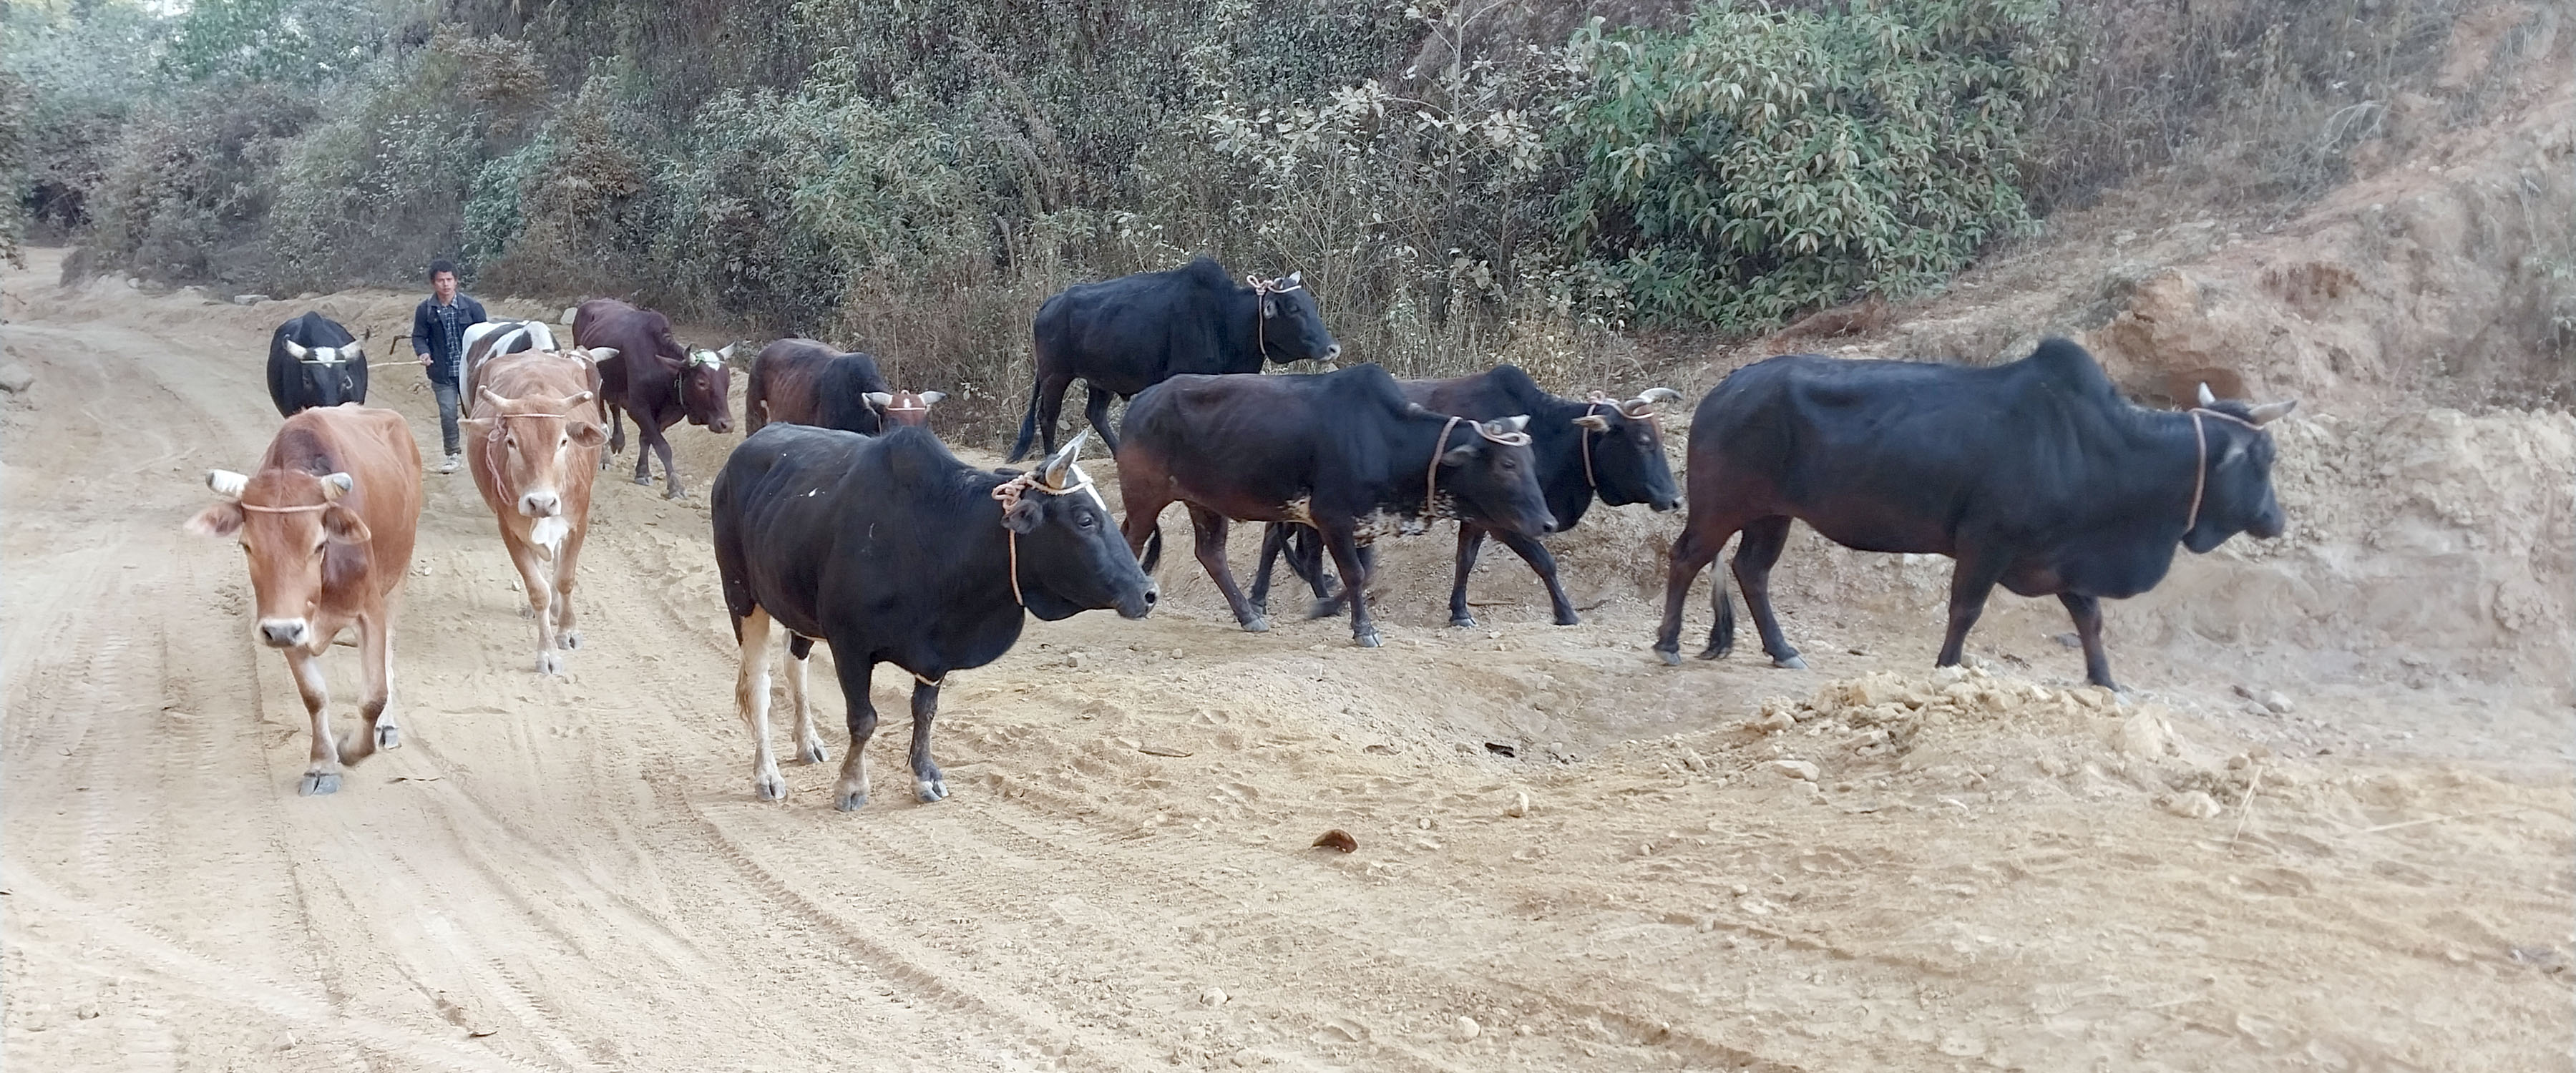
2206	397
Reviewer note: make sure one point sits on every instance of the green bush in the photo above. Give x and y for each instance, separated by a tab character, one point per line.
1768	160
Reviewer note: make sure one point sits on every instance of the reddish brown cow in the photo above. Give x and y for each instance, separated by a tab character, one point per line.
327	521
654	380
906	408
534	453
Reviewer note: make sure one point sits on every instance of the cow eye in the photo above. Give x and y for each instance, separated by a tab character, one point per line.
1511	464
1084	520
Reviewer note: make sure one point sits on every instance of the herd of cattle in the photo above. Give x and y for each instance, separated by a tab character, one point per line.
843	518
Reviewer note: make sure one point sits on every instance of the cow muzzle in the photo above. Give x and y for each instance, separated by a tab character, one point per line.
284	632
541	504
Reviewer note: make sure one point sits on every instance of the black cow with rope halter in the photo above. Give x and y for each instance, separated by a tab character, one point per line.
1343	452
1124	335
1600	448
891	550
2035	475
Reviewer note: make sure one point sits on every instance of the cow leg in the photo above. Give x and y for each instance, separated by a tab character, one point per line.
1050	408
616	435
1348	555
1970	582
1274	536
1095	406
376	651
322	775
856	672
1471	541
1210	527
751	701
926	781
658	442
2087	613
1691	553
1754	555
540	584
1534	552
567	629
809	742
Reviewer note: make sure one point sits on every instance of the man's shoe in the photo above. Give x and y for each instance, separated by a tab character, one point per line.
450	465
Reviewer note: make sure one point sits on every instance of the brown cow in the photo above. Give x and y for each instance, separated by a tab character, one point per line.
534	453
328	521
653	379
906	408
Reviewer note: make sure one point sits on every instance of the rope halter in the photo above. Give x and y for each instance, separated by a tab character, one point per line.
1262	289
1008	495
2200	469
1431	473
1641	408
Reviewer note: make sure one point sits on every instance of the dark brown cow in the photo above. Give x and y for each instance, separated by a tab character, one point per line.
654	380
904	407
534	453
327	522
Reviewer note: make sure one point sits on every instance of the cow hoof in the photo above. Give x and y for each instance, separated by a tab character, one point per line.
388	736
1323	607
676	493
315	785
548	663
812	752
1672	657
850	802
645	481
1789	663
1569	619
1257	624
768	786
1464	622
929	790
569	638
1367	640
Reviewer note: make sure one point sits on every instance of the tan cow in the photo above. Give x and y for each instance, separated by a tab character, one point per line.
534	450
328	521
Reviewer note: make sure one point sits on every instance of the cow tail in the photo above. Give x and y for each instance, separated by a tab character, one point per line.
1028	421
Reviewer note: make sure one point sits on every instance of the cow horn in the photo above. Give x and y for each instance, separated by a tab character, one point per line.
1053	472
726	354
571	313
1660	394
494	397
296	350
576	400
335	485
879	399
602	353
227	483
2206	399
2273	411
1517	422
931	398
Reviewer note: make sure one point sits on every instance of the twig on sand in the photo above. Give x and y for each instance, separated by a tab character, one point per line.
2439	819
2252	786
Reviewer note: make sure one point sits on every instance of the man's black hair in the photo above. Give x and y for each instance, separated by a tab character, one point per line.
442	265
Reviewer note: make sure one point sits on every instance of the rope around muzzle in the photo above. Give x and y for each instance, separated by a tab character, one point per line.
1008	494
1431	473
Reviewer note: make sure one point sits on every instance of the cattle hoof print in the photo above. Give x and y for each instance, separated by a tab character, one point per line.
929	790
768	786
1789	663
315	785
850	802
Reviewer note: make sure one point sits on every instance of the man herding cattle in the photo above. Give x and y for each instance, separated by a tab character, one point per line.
438	336
2035	475
327	522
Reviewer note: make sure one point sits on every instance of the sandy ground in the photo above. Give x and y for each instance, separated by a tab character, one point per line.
1978	871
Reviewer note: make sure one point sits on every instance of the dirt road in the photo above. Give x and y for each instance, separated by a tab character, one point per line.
1979	871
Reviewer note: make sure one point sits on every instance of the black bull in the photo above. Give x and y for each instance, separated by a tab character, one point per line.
1127	334
1602	448
313	361
2035	475
892	550
1341	451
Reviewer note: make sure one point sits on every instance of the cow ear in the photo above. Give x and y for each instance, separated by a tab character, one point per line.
1269	309
931	398
478	426
296	350
587	434
343	525
222	519
1459	456
1595	422
335	485
1024	516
